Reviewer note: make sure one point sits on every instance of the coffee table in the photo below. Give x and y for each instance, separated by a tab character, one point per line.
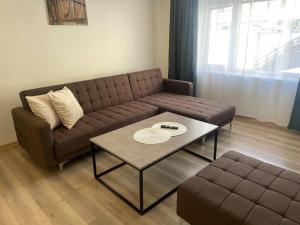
120	143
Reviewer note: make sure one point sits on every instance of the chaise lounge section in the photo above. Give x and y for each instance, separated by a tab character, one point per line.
176	96
110	103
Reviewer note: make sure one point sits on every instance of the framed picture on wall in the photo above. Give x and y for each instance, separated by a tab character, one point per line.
67	12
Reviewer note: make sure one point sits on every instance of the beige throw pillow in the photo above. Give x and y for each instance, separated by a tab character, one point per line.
66	106
40	106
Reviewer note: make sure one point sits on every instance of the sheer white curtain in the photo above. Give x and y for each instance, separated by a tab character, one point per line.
249	55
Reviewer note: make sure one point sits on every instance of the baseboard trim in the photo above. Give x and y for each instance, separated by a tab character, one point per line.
7	146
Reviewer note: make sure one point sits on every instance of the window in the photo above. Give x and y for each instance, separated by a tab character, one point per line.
251	36
219	35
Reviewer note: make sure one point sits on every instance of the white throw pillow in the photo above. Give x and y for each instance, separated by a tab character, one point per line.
40	106
66	106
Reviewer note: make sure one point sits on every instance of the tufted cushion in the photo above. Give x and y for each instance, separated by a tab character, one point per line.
92	95
238	189
95	123
146	82
197	108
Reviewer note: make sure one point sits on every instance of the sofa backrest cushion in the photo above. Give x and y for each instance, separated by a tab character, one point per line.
92	95
146	82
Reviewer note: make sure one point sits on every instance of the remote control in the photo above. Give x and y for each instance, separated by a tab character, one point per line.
169	127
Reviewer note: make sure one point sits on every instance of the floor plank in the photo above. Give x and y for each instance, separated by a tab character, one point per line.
30	194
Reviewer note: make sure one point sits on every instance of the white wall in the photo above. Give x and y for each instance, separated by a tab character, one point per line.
162	24
118	39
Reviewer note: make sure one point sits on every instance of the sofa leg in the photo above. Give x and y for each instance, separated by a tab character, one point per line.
61	167
230	127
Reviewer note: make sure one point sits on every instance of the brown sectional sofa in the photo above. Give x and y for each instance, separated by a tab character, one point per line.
110	103
240	190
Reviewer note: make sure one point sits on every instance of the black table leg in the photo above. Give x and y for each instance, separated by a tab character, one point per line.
216	144
141	180
94	159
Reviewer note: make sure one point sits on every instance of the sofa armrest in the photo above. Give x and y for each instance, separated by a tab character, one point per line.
178	87
34	135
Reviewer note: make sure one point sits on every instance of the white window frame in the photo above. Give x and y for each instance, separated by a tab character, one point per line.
204	37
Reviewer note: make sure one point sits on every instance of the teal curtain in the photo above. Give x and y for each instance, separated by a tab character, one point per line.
183	40
295	118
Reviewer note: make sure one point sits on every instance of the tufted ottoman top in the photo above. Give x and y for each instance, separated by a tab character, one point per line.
238	189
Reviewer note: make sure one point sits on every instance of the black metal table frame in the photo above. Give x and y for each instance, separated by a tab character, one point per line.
141	210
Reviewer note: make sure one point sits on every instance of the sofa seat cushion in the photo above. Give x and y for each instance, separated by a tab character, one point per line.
240	190
197	108
95	123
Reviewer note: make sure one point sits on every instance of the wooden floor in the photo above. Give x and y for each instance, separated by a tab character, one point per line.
32	195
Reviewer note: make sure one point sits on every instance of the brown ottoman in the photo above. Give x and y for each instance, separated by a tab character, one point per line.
238	189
